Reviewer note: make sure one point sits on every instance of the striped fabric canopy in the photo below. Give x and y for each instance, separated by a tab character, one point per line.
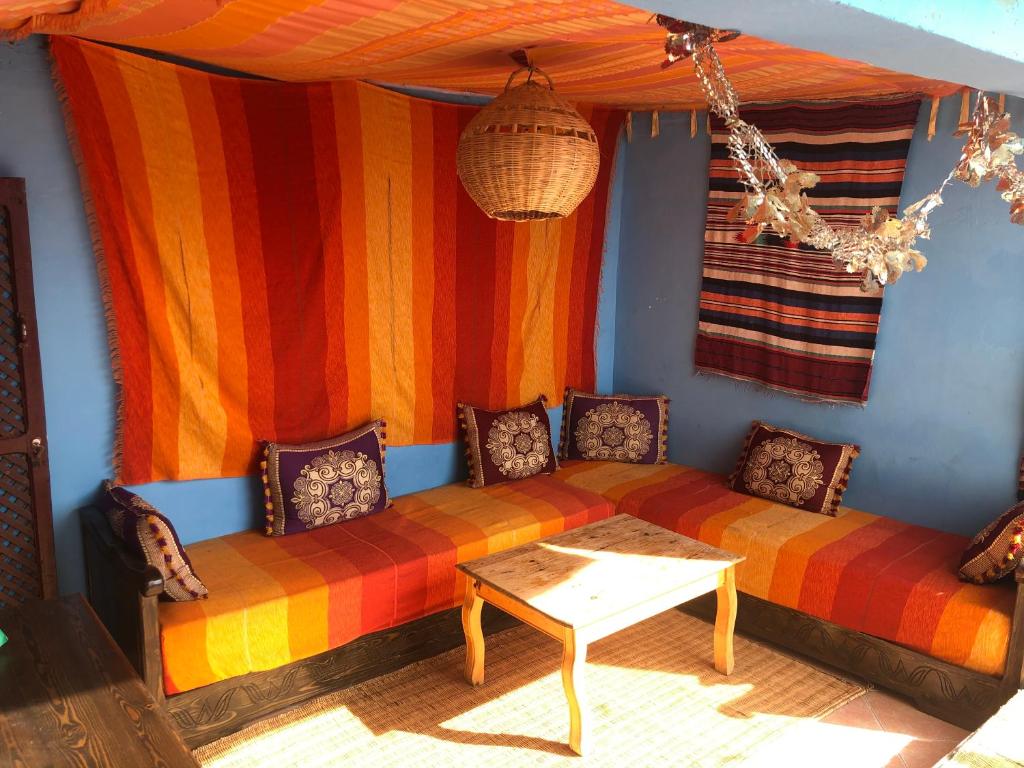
595	50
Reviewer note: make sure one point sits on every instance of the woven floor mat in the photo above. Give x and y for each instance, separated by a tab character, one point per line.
655	700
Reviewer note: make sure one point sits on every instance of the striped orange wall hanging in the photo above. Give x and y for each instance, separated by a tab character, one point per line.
284	261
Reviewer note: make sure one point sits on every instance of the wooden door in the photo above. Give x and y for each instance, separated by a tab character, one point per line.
26	528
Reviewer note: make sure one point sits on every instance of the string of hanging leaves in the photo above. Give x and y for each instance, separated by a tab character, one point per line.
882	247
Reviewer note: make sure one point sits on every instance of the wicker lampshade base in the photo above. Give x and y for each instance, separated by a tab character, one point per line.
528	154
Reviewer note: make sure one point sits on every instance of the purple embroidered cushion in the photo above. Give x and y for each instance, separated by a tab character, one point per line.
507	445
316	484
624	428
794	469
149	534
993	554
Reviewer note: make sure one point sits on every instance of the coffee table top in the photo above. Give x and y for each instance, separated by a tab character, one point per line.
581	576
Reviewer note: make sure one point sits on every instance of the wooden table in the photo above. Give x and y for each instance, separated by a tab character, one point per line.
590	582
68	696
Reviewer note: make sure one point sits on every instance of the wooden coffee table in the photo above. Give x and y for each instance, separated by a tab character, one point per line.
590	582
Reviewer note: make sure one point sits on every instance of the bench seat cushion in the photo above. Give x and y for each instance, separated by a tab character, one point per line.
868	573
274	600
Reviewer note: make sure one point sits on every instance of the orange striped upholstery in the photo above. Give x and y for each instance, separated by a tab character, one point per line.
871	574
274	600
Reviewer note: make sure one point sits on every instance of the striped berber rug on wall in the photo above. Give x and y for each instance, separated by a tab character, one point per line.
780	314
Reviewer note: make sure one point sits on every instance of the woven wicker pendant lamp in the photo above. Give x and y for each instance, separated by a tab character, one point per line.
528	154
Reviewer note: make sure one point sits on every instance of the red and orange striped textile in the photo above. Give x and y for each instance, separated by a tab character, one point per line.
784	315
598	51
274	600
287	261
868	573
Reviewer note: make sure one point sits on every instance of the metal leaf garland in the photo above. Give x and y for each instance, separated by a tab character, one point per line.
882	247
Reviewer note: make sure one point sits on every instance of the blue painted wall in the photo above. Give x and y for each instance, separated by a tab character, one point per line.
79	392
942	431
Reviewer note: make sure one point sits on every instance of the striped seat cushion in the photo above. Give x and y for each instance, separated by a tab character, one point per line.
274	600
871	574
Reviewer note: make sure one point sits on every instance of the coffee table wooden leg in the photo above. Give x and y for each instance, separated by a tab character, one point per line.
725	621
574	656
471	608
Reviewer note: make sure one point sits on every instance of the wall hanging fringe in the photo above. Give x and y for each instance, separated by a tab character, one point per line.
693	123
964	123
933	116
629	127
655	125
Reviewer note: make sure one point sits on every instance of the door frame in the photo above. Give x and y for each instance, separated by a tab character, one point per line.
33	442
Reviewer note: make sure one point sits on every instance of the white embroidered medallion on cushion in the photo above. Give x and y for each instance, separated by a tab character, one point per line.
785	469
339	485
614	432
519	444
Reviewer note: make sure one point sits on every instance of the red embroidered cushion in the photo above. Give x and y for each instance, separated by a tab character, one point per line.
994	552
149	534
625	428
316	484
507	445
793	469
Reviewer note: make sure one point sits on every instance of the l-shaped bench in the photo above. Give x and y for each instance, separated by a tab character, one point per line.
293	617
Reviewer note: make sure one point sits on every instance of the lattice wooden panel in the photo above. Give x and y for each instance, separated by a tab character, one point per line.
19	566
12	404
24	572
19	571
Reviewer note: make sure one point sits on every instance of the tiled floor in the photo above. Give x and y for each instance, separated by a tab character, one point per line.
873	731
929	737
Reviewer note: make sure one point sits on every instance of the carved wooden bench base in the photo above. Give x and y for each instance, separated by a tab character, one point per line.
214	711
951	693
